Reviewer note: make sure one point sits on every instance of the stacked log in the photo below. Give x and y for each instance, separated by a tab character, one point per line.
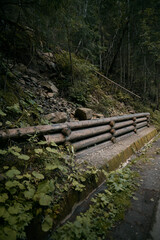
83	134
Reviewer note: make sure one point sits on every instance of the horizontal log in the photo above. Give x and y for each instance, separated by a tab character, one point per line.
143	124
122	137
92	149
85	133
54	128
96	122
20	132
57	138
91	141
123	124
141	119
124	130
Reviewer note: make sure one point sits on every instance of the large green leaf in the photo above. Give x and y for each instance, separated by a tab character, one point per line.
42	142
24	157
16	149
53	167
3	152
29	194
47	224
37	175
2	211
38	150
15	209
11	184
45	200
12	173
46	187
2	113
3	197
10	233
52	150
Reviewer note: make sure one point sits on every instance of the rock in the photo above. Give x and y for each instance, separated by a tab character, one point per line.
83	113
22	81
50	87
48	54
57	117
132	112
52	65
34	79
98	115
50	95
22	68
31	72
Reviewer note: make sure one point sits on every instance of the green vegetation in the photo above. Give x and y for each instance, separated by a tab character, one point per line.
118	38
18	108
121	38
34	184
107	208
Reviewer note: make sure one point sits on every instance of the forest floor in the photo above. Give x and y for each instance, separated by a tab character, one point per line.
142	219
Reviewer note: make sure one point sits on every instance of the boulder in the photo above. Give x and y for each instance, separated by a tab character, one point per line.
84	113
57	117
50	87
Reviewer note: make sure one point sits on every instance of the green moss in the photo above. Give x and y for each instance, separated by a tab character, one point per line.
9	97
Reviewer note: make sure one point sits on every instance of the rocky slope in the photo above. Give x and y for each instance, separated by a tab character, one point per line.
29	96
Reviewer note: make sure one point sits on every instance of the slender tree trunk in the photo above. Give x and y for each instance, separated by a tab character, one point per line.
121	66
129	47
70	54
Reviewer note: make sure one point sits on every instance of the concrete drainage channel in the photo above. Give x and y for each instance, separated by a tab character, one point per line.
128	148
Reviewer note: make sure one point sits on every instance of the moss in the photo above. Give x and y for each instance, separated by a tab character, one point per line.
115	162
9	97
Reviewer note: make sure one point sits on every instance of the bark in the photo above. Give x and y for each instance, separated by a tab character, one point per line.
81	134
92	141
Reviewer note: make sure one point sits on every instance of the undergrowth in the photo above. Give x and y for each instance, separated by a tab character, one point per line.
107	208
35	179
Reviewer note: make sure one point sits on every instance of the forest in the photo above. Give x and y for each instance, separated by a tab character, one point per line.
120	38
57	56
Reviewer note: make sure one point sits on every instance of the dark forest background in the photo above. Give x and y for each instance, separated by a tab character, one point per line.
119	37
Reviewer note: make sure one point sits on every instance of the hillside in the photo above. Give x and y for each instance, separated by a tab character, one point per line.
30	94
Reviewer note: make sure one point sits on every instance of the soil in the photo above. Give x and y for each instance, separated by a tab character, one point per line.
142	220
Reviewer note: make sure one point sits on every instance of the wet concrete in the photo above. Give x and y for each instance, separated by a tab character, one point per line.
142	220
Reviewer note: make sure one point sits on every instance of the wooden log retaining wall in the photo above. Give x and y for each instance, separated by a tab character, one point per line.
83	134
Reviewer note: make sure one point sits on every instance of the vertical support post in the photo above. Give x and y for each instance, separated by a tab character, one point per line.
134	124
148	120
112	131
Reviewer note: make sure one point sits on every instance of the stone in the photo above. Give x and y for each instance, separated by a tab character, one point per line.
57	117
48	54
52	65
22	81
34	79
132	112
98	115
84	113
22	68
50	95
50	87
